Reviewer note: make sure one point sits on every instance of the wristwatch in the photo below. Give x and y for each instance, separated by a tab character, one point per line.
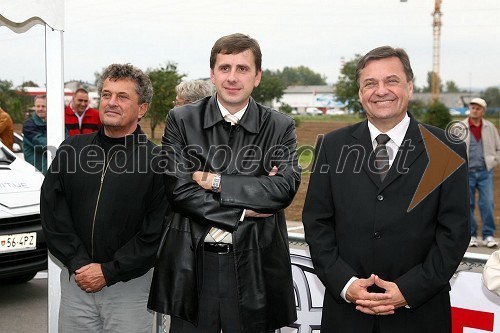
216	183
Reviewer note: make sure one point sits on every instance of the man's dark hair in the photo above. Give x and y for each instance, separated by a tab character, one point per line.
81	90
234	44
384	52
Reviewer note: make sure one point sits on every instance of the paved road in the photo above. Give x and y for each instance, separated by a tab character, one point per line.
23	307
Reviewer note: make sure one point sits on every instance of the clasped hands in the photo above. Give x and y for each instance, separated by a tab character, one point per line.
90	278
375	303
205	179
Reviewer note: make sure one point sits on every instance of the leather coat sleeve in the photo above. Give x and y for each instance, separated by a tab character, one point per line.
186	196
62	239
266	194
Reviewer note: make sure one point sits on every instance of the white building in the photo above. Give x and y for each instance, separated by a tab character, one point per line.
300	98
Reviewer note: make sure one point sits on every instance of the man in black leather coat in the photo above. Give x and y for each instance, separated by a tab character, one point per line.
231	170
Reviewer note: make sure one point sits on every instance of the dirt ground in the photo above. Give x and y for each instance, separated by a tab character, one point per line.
307	133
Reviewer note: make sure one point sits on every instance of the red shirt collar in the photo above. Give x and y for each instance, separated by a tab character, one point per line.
476	129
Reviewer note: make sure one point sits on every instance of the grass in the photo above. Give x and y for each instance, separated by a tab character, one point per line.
305	155
327	118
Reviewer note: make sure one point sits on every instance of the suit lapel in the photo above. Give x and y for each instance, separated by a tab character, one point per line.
411	148
362	137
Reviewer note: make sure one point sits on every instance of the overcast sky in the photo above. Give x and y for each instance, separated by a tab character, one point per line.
314	33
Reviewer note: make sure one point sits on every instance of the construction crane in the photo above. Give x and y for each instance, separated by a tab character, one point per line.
436	46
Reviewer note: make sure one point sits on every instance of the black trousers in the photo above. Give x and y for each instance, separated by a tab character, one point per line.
218	302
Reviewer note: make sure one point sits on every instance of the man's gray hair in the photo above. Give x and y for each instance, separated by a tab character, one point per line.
194	90
143	85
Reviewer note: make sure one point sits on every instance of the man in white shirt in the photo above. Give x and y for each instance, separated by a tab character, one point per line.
385	262
231	171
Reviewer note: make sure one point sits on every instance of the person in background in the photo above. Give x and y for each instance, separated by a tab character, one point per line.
79	117
103	205
483	151
191	91
231	169
35	135
6	129
386	265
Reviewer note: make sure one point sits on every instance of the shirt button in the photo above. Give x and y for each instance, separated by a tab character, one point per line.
380	197
377	235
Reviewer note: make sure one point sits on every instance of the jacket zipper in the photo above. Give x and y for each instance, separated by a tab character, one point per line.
104	170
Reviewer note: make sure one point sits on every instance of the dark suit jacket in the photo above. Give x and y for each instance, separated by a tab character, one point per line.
356	225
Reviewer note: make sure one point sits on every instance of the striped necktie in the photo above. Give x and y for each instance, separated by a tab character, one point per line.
231	119
381	155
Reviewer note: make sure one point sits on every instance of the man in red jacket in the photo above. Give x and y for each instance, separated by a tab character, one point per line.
79	117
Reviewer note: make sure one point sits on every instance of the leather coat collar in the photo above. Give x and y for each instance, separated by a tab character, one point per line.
251	121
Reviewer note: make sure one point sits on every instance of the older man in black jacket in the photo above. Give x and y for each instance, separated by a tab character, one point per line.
232	169
103	204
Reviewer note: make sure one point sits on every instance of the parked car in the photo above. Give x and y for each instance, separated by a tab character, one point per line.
335	112
314	112
18	148
23	250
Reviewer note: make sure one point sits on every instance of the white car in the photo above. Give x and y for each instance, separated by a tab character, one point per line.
314	112
18	145
23	251
335	112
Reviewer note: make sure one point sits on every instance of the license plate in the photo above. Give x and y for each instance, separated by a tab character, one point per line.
18	242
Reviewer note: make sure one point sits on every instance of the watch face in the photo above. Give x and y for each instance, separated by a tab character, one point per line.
216	183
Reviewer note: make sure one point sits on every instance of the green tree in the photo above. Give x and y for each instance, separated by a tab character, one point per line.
14	103
427	88
164	81
29	84
271	87
346	88
492	96
437	115
417	108
286	108
452	87
300	76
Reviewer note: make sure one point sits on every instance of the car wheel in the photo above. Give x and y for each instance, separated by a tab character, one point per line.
18	279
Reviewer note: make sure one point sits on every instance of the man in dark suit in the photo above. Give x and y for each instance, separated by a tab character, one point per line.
385	260
231	171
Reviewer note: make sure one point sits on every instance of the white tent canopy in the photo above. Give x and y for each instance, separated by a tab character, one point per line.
20	16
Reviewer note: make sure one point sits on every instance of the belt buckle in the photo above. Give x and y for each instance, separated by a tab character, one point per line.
222	248
227	247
